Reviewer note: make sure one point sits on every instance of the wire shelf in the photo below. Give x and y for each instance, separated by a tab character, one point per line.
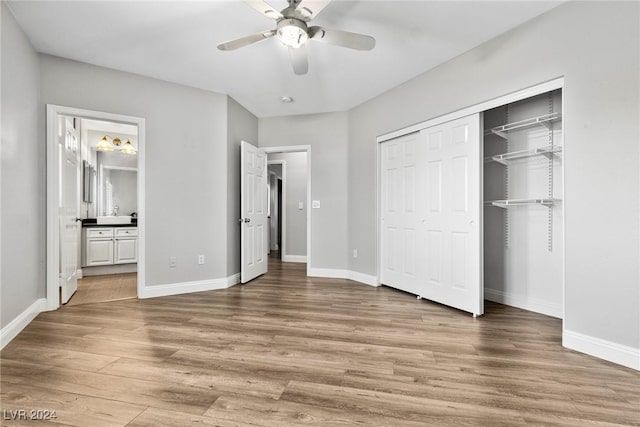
544	120
547	151
521	202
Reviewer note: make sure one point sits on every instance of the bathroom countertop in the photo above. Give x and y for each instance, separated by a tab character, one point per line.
93	222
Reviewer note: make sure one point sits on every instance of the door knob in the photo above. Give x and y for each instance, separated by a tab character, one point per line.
247	220
78	219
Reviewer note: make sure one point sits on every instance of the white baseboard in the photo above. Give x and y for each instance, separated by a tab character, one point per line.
294	258
344	274
525	303
362	278
14	327
603	349
79	274
328	273
188	287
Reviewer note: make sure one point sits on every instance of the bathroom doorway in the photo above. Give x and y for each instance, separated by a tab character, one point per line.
108	239
95	206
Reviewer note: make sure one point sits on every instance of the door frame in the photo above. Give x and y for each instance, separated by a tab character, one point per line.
53	189
297	149
554	84
282	214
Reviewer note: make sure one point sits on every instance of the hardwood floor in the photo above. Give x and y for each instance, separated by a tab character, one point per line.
110	287
289	350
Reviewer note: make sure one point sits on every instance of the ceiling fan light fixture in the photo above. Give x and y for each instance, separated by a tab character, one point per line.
292	32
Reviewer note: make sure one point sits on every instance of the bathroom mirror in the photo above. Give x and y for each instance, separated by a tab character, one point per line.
117	184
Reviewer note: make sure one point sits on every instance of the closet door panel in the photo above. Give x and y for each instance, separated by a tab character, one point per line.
452	218
403	201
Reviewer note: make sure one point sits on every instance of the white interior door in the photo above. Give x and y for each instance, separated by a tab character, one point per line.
431	224
403	204
69	144
253	212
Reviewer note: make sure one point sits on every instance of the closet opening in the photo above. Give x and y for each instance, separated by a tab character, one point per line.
523	213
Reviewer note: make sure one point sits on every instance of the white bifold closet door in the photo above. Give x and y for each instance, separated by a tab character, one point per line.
430	214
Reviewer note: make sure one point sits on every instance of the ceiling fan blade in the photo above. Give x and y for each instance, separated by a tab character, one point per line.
342	38
299	60
264	8
311	8
247	40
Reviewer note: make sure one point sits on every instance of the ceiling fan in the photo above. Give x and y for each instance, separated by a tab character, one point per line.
293	31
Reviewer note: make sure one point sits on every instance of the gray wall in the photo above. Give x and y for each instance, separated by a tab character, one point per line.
327	135
241	125
186	161
295	228
595	45
22	185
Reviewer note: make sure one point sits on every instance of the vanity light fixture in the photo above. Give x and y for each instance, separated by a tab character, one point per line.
105	145
128	148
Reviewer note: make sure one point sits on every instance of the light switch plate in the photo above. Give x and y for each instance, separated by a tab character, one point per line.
315	204
300	206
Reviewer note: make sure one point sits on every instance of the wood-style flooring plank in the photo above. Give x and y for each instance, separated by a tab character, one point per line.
289	350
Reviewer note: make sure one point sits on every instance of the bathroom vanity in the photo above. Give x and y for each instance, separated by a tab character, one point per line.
109	244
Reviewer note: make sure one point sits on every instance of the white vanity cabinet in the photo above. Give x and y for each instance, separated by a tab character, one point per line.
126	245
98	246
110	245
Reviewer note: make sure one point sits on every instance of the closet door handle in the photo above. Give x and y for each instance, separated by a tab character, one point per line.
247	220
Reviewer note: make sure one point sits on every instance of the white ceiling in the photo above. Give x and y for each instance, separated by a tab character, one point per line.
176	41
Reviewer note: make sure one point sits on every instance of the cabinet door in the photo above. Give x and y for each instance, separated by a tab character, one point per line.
126	251
99	252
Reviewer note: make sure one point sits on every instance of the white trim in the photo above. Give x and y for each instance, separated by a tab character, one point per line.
603	349
477	108
13	328
53	234
79	274
294	258
297	149
328	273
524	302
367	279
188	287
331	273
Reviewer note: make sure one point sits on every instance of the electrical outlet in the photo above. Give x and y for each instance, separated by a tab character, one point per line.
172	262
200	259
315	204
355	253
